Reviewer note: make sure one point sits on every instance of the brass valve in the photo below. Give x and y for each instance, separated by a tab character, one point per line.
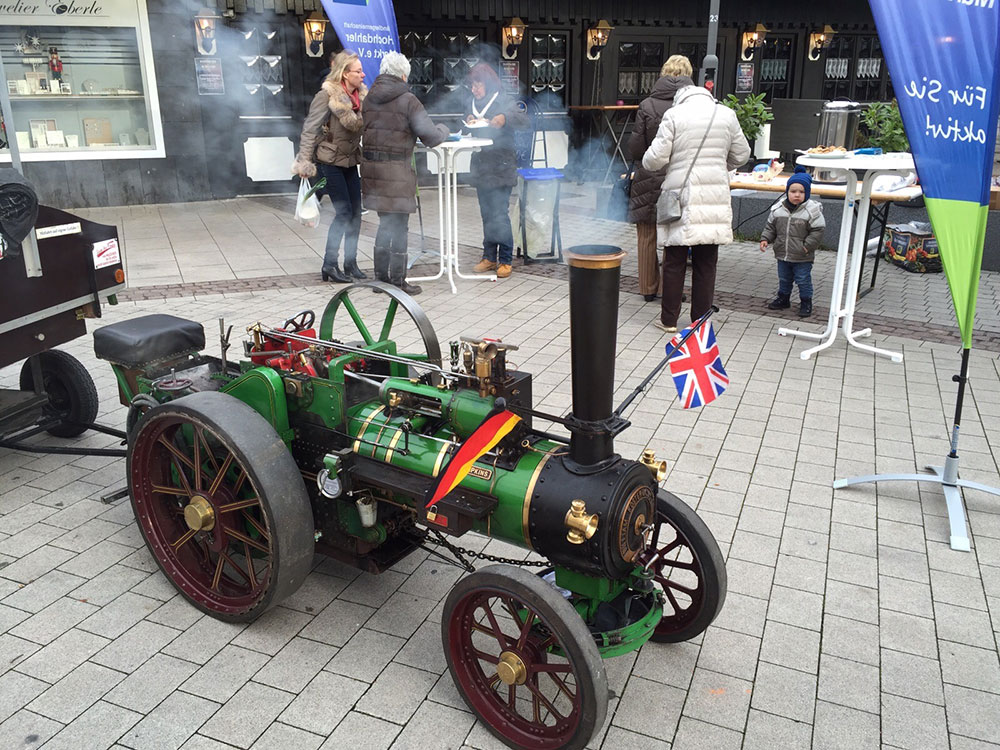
657	468
582	525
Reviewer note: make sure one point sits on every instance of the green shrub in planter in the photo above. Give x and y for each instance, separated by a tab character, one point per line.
752	114
883	127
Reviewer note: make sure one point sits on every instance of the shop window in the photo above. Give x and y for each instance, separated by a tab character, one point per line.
440	62
261	52
547	75
775	61
638	68
77	92
855	68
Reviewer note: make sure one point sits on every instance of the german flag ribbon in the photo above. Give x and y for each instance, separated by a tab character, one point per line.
486	436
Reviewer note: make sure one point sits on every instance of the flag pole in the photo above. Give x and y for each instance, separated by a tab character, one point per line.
663	362
946	476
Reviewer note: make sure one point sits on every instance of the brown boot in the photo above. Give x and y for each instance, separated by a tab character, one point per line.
504	270
485	265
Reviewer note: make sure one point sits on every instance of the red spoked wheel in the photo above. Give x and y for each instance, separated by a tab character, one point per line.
524	660
687	565
221	505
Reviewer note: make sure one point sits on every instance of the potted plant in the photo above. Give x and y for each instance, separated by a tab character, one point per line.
883	127
752	114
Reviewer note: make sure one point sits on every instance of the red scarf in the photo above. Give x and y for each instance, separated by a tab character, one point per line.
354	97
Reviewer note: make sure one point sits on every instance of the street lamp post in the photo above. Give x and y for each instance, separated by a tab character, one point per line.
711	61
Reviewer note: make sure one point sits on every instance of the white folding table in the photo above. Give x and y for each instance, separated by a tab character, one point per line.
448	210
851	247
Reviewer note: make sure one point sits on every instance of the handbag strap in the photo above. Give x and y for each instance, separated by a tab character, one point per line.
703	138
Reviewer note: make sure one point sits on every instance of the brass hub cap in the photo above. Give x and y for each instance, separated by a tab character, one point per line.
511	669
199	514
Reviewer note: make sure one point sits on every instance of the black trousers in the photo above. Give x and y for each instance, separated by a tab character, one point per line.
704	259
391	245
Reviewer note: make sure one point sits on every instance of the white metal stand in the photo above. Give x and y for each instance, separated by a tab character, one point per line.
947	477
448	211
851	249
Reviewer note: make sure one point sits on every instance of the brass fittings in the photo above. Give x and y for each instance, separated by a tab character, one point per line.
657	468
582	525
199	515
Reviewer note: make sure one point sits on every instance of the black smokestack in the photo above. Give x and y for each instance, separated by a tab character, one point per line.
594	276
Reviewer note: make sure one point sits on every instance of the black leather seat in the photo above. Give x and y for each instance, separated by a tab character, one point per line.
148	339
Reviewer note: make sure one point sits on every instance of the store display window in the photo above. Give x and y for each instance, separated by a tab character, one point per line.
80	91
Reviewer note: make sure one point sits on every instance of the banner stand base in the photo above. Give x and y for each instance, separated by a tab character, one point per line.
947	477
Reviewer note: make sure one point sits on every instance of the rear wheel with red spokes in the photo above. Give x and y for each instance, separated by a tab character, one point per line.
524	660
687	566
221	505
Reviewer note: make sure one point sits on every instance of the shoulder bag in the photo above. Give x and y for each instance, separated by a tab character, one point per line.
668	204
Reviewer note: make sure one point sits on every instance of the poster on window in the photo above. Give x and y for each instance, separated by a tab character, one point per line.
208	71
744	78
510	76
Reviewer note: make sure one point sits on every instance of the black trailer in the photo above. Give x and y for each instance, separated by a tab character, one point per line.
45	301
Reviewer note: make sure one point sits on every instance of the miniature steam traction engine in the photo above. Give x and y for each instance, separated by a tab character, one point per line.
239	472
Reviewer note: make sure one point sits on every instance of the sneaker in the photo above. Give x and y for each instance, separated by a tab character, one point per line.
662	327
485	265
504	270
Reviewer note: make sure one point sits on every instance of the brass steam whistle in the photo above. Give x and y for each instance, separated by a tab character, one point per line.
657	468
582	525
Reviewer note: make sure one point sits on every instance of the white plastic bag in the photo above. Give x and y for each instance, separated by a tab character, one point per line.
307	208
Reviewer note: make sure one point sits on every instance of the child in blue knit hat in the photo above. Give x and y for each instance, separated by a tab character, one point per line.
795	228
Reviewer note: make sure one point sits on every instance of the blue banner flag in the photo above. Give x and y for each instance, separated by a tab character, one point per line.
943	59
367	27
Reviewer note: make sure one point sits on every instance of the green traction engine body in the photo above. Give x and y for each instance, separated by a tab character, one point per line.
240	471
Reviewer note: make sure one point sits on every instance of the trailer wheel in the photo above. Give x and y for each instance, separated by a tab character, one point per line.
72	393
524	660
688	566
221	505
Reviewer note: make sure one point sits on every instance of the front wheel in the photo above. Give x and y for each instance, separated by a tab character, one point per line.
687	564
523	660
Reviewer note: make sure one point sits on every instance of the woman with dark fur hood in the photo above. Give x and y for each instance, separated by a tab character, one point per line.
330	147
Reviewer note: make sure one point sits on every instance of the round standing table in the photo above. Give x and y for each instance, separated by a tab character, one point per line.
851	246
448	210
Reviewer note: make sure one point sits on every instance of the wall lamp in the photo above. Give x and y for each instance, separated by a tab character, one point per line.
819	41
204	31
315	29
513	35
752	41
597	39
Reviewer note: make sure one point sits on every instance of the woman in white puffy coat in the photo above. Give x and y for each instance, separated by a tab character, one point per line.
706	209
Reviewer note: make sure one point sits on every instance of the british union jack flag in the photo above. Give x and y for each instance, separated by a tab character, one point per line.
697	367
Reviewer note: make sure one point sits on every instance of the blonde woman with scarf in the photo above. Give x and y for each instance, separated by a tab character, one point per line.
330	147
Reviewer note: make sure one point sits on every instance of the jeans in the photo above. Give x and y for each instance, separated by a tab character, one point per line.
800	273
343	186
498	239
704	259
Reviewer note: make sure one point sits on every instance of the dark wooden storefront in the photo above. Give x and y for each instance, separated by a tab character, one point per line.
204	135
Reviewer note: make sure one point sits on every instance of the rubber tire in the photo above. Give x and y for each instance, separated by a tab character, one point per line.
560	616
77	388
141	404
273	473
706	551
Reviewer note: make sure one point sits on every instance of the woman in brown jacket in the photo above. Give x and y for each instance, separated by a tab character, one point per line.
674	75
331	137
394	119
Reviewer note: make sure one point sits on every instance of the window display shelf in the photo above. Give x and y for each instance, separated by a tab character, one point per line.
47	98
82	91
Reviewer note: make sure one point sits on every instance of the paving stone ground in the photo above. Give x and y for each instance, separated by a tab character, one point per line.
849	622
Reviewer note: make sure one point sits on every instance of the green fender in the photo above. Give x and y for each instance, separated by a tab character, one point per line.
263	390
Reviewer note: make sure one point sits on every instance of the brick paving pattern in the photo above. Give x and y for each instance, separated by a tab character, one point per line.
849	622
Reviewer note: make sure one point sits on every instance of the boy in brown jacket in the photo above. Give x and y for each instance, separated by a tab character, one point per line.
795	226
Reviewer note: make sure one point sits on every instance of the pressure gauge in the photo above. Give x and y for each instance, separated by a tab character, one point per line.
329	484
